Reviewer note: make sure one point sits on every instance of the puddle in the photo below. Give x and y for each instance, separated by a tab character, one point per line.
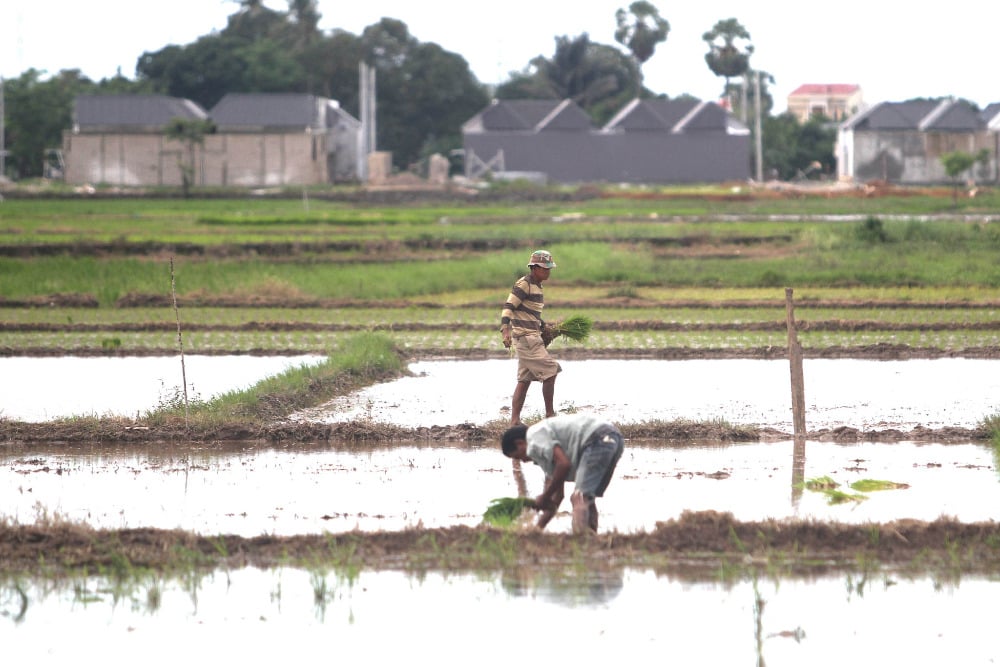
308	490
42	389
288	615
844	392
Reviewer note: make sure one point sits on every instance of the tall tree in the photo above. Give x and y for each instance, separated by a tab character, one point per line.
423	92
305	15
725	56
639	30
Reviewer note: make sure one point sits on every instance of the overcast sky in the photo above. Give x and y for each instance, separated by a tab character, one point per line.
893	50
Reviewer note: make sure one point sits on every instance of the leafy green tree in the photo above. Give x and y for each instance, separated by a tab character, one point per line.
725	56
332	62
598	77
792	150
424	93
955	164
639	30
254	21
37	112
190	133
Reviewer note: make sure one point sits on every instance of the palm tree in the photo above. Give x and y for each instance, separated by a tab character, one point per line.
724	57
640	29
593	75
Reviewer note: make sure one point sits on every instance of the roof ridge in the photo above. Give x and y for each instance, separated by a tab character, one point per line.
556	110
695	110
936	113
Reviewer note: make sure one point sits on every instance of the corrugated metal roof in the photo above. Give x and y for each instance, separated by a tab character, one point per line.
136	111
953	115
244	111
893	115
941	115
513	115
671	116
566	116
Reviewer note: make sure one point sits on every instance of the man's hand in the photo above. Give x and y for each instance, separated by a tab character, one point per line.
549	333
506	338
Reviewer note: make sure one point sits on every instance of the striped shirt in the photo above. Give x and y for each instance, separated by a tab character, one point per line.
523	309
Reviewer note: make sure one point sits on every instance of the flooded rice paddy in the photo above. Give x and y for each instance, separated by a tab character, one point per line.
290	616
294	614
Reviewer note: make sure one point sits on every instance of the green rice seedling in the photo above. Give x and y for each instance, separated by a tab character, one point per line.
867	485
828	486
820	483
503	511
576	327
837	497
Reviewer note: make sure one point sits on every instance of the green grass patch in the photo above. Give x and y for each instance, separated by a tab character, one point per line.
359	359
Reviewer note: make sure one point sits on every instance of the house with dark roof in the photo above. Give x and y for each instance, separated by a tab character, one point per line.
120	140
281	139
836	101
260	139
902	142
647	141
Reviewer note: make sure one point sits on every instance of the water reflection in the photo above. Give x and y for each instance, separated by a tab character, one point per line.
492	619
573	589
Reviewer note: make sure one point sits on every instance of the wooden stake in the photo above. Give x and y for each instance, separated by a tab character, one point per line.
795	363
180	344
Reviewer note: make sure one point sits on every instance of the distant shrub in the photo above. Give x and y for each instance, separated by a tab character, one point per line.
772	278
872	231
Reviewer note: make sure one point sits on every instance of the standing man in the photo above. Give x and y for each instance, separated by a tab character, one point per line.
579	448
521	326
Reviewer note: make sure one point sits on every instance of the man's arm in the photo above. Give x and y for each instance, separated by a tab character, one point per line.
552	495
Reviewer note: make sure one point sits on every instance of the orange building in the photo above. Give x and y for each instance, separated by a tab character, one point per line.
836	101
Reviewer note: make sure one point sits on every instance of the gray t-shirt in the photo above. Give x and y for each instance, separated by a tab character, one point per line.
570	432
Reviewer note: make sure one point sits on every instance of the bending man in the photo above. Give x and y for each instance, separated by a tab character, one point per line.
579	448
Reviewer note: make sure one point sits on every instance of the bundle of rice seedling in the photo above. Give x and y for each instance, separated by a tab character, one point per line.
503	511
576	327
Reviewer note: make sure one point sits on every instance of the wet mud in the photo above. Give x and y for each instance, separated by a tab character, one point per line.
698	544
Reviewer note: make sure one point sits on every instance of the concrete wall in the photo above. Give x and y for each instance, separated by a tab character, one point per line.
229	159
121	159
912	157
631	157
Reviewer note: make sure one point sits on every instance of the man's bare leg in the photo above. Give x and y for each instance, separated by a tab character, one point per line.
517	402
582	520
548	394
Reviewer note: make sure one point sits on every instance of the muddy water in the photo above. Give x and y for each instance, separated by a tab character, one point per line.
251	491
293	616
843	392
253	616
41	389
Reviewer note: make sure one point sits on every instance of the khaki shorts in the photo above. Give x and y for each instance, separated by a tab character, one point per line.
533	361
